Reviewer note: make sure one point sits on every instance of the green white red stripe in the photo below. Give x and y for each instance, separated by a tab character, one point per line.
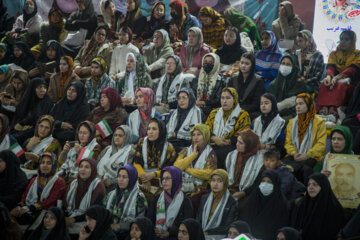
17	149
104	128
84	153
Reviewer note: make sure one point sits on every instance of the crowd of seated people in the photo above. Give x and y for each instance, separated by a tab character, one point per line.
114	125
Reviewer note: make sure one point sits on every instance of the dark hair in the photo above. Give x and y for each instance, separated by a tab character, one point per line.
251	57
272	154
107	4
105	28
349	33
232	28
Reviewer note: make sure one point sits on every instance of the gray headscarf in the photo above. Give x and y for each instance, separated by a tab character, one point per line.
190	50
127	140
157	52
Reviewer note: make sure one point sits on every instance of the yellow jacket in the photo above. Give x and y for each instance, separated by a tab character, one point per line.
318	139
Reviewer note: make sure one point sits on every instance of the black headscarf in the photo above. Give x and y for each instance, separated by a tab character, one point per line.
290	233
31	103
28	16
320	217
26	60
352	229
75	111
241	227
266	214
182	113
266	120
229	54
354	106
59	232
194	229
57	47
103	218
146	227
160	142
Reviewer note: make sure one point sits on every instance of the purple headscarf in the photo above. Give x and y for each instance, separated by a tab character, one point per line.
176	176
133	176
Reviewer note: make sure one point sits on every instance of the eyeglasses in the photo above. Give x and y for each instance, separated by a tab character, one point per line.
182	97
183	232
170	64
166	179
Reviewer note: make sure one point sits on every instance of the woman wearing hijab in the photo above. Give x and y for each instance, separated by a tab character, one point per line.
139	119
118	154
305	138
269	126
22	56
157	52
192	53
110	110
190	229
225	123
231	50
35	103
342	74
126	202
268	57
10	229
171	206
183	119
52	227
120	50
141	229
248	85
111	17
135	77
96	47
41	142
238	227
153	153
6	139
218	209
4	54
70	156
310	60
169	84
156	21
182	20
84	191
243	24
267	209
288	233
5	74
59	82
43	191
210	84
318	215
6	20
12	179
134	18
286	86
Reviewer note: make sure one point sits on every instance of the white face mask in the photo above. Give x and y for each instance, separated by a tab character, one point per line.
285	70
266	188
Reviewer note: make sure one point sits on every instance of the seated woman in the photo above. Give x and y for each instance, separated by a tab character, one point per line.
83	192
139	119
218	209
43	191
244	164
305	138
244	24
7	20
53	226
153	153
286	86
157	52
134	18
268	58
111	110
190	229
231	50
310	60
5	74
225	123
197	163
141	228
118	154
213	26
169	208
118	57
238	227
111	18
22	56
98	81
342	74
72	109
59	82
126	202
70	155
41	142
209	85
12	179
155	21
4	54
6	139
192	52
248	86
288	233
270	206
269	126
318	215
183	119
170	84
135	77
35	103
97	47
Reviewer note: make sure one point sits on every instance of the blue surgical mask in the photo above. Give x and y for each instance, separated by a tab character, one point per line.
266	188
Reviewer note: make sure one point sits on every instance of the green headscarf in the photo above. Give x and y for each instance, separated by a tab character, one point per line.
345	131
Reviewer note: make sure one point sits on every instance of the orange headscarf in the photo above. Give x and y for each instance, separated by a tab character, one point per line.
304	119
64	76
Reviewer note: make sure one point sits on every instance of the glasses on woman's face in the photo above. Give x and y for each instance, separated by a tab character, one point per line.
182	97
170	64
166	179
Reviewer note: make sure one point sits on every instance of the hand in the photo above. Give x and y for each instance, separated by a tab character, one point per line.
226	142
146	177
126	101
115	226
77	147
26	127
67	146
78	70
33	141
34	72
146	186
18	127
83	234
113	77
300	157
15	212
301	79
190	71
116	42
107	182
263	146
218	141
66	126
69	221
239	195
31	156
326	173
327	80
134	36
98	135
24	210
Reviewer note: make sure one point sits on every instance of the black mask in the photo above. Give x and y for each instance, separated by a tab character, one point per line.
173	15
208	67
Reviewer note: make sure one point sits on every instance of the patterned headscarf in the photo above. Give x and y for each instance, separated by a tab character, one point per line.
205	131
43	179
304	119
309	39
149	101
207	82
64	76
48	118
